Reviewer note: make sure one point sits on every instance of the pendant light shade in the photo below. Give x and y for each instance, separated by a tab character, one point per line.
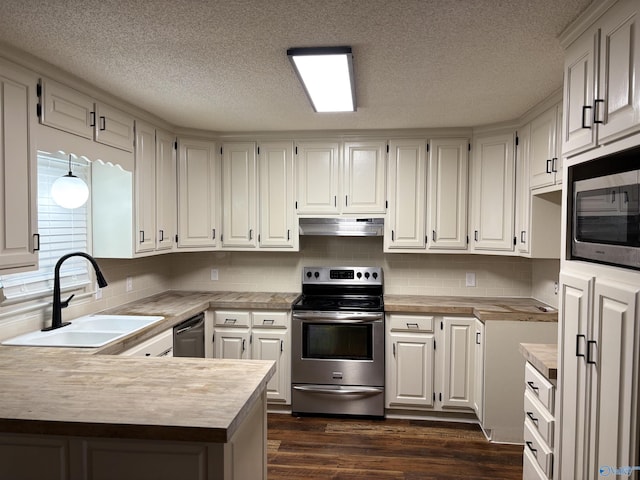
69	191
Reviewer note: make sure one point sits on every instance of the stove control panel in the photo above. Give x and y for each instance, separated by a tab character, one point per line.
342	275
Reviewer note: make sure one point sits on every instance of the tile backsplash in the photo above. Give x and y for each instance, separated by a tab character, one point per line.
408	274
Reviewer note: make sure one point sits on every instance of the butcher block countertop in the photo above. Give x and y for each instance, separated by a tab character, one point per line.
54	391
483	308
542	356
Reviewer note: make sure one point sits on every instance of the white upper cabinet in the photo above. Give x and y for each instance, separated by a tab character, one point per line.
145	179
18	205
406	187
447	194
545	159
492	193
318	171
601	91
364	177
523	193
166	190
199	196
239	219
74	112
277	223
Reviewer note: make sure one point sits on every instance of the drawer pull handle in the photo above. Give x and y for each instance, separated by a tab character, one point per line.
268	321
533	387
230	321
533	450
590	360
532	418
578	337
412	325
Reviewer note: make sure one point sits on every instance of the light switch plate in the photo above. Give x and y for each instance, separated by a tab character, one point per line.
129	285
214	274
470	279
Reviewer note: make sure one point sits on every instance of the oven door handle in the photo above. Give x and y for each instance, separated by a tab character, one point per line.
332	317
337	390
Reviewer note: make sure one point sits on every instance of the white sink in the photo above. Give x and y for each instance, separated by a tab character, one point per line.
88	331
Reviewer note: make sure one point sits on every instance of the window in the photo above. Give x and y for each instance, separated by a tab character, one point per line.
61	231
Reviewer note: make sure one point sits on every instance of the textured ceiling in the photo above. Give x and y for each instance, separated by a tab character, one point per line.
222	65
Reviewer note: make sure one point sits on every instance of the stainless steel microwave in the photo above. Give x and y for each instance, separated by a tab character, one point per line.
606	219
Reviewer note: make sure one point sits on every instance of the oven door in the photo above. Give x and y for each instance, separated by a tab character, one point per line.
338	348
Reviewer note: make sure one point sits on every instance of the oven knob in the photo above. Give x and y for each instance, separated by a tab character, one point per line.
316	274
308	274
359	274
375	275
366	275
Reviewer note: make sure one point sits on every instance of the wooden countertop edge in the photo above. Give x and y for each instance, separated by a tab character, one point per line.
544	357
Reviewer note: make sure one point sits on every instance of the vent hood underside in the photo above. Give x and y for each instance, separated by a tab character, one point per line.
345	227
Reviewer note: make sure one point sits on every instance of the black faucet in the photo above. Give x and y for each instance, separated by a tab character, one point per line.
58	305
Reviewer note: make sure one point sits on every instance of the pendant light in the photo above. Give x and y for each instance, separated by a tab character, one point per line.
69	191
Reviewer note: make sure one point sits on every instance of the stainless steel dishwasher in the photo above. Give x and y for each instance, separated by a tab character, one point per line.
188	337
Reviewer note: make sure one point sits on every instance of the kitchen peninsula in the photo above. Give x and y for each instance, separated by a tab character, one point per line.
69	415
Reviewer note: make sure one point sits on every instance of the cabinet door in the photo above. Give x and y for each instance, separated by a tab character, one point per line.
543	158
231	343
458	375
579	133
523	193
618	103
239	195
145	178
574	313
493	193
406	179
613	356
113	127
364	177
18	205
410	370
447	204
274	345
317	166
478	375
277	216
67	109
198	194
166	194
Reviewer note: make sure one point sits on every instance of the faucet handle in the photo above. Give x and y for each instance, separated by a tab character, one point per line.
65	304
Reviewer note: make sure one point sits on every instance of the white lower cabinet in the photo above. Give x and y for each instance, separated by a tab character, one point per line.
478	374
159	346
257	335
597	419
539	424
430	362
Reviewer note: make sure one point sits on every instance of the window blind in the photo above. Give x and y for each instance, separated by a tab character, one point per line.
61	231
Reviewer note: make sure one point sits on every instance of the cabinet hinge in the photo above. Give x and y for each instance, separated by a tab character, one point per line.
440	396
467	239
515	241
39	110
386	204
434	396
176	238
39	89
426	239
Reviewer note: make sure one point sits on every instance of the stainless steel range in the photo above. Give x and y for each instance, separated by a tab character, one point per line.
338	342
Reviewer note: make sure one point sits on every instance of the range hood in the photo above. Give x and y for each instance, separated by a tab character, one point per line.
345	227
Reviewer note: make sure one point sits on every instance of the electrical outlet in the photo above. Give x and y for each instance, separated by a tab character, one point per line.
129	286
555	287
470	280
214	274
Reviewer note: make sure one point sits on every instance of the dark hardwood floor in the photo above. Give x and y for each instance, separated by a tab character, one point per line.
357	449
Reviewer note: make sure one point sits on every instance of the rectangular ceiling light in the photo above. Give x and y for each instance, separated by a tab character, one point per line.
326	74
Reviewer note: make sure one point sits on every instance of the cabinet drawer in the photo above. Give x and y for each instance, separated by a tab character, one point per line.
160	345
270	319
540	387
232	318
534	444
540	417
411	323
530	468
